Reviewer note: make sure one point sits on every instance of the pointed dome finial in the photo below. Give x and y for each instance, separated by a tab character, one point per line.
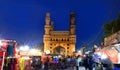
47	14
72	18
47	18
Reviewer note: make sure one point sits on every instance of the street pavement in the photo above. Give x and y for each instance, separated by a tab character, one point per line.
70	68
83	68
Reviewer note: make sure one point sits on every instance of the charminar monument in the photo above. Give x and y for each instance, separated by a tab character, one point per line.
59	42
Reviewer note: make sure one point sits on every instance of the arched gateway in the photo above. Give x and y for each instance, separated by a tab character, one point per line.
59	50
59	42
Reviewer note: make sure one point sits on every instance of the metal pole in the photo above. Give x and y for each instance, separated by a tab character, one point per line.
3	60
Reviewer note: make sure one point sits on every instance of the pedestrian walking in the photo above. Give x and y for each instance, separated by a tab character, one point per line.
98	66
46	64
78	61
91	63
85	62
109	64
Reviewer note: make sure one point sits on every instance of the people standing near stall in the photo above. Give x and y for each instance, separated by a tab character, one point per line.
46	64
78	61
85	62
109	64
91	63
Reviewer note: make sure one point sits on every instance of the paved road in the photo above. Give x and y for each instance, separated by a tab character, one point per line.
82	68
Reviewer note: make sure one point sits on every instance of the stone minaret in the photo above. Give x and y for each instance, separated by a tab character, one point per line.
47	28
72	23
47	25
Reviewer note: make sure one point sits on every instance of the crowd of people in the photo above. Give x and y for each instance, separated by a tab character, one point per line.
73	62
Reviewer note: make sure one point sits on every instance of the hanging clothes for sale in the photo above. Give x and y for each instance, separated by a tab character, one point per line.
15	48
9	63
10	50
15	60
11	67
6	62
22	61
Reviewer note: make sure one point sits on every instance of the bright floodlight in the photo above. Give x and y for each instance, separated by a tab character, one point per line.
26	48
33	51
21	48
48	52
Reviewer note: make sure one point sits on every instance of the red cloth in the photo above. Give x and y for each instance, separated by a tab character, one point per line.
112	55
15	48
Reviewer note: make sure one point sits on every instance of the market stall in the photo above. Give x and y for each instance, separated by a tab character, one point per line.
8	59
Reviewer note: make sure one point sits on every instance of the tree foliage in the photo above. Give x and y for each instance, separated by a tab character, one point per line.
112	26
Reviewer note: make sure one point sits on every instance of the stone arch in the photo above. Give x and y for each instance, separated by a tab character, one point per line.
59	50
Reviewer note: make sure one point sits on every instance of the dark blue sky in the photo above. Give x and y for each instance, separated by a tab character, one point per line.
24	20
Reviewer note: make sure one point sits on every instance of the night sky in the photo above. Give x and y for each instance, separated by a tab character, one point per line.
24	20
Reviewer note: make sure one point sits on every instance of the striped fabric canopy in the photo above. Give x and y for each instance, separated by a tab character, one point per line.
112	55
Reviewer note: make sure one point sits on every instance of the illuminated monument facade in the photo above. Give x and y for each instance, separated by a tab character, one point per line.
59	42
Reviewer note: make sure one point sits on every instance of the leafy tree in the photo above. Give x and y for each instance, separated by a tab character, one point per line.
112	26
